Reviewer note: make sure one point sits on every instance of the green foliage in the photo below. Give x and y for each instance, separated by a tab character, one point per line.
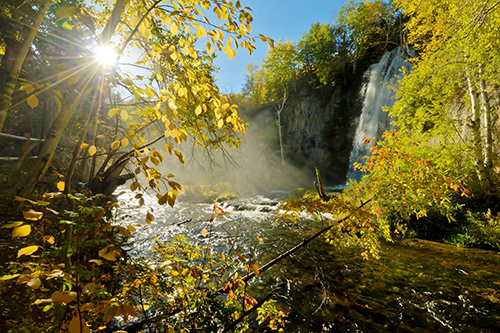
280	67
88	279
319	52
482	229
255	89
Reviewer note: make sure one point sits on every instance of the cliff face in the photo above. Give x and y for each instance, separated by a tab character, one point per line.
318	129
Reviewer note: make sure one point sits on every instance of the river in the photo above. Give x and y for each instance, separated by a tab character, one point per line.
416	285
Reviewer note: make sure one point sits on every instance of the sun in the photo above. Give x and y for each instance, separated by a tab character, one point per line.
105	55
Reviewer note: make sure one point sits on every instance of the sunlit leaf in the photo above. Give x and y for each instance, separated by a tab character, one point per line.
124	115
113	112
115	145
92	150
49	239
13	224
9	277
32	215
75	78
240	257
58	103
33	101
204	232
256	269
109	256
124	142
60	186
26	251
21	231
174	29
198	110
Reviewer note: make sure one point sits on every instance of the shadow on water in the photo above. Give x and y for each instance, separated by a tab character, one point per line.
416	285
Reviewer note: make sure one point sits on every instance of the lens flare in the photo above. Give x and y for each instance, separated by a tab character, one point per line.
106	55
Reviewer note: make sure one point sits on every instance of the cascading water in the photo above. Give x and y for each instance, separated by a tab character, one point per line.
377	93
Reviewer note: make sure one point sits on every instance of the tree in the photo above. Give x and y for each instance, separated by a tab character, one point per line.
255	86
180	92
320	53
457	65
281	66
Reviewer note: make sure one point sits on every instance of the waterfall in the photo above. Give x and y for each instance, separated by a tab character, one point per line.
377	92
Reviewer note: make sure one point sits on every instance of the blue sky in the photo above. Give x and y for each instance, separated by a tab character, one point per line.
276	19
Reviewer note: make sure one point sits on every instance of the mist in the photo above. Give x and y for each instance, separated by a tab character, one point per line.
255	167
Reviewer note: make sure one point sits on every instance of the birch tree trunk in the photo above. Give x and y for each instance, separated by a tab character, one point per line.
488	140
475	127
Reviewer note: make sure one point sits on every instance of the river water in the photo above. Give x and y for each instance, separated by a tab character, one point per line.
416	285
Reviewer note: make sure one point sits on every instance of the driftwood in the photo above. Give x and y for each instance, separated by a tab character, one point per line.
319	188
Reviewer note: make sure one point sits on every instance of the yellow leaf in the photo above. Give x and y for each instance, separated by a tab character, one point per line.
29	88
75	78
204	232
124	142
21	231
13	224
109	256
92	150
26	251
113	112
60	186
58	102
77	326
124	115
32	215
32	101
49	239
179	156
256	269
220	123
174	29
115	145
131	228
9	277
149	217
198	110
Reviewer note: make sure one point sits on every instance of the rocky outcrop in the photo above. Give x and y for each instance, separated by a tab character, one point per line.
319	127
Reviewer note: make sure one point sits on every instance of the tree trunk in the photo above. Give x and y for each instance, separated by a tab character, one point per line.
15	70
488	140
475	127
26	185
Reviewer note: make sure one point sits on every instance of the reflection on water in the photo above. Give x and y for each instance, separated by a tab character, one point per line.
416	286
